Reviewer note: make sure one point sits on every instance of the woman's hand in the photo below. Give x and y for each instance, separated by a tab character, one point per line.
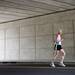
62	39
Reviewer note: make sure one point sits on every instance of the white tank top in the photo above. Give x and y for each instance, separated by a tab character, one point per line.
58	39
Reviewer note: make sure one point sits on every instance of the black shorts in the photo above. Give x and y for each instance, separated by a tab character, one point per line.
57	47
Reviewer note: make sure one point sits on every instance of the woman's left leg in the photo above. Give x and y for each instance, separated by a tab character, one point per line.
62	56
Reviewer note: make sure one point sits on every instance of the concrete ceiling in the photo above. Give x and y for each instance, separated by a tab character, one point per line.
17	9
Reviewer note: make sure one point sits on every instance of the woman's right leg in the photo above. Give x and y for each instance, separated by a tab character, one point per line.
55	55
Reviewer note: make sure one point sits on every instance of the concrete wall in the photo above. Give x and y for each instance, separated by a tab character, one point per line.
32	39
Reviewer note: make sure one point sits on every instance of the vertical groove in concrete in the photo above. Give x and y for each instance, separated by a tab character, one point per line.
35	41
19	43
4	43
73	33
52	38
53	33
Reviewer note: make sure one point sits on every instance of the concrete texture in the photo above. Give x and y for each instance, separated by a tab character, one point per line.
32	39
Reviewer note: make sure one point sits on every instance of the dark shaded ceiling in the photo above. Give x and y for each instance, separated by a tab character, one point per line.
17	9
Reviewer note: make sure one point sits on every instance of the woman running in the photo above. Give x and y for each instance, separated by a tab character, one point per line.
58	50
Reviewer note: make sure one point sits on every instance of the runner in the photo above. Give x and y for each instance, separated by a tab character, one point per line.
58	50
